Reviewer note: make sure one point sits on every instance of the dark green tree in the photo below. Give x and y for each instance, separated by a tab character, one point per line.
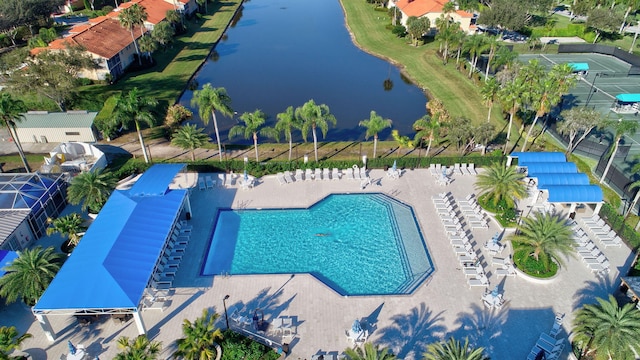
136	108
91	189
199	338
12	111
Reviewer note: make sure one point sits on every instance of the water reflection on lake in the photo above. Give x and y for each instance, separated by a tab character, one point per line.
282	53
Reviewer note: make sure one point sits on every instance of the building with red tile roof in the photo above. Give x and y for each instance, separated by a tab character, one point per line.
432	9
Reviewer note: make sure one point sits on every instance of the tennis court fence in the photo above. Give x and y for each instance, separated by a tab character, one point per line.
606	50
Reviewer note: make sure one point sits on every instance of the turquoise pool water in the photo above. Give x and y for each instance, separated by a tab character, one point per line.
358	244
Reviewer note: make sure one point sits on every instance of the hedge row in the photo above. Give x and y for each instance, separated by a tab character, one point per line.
616	221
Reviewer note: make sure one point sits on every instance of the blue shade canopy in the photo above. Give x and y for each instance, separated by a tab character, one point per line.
632	98
536	157
579	66
156	180
574	193
6	257
543	168
561	179
113	263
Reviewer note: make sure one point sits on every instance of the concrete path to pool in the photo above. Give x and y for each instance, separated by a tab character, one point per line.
443	306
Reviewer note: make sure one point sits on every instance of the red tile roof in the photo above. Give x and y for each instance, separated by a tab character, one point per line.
156	9
420	8
106	39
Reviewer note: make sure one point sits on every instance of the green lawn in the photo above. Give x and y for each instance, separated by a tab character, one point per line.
460	96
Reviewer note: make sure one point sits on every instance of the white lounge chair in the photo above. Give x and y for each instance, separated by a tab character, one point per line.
480	280
508	270
288	177
433	171
335	174
299	175
599	260
617	241
280	177
501	261
317	175
326	175
210	182
457	169
228	180
201	184
363	173
308	175
471	169
348	172
473	270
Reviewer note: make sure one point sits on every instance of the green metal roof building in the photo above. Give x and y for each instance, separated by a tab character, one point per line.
43	127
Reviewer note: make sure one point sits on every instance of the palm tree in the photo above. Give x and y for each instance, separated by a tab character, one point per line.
253	125
546	237
189	137
139	348
200	336
287	121
11	111
69	225
374	125
633	185
453	350
547	90
474	45
135	107
133	16
621	128
176	114
29	274
209	100
489	92
148	45
607	330
92	189
492	44
458	40
427	128
403	141
315	116
11	340
500	182
447	31
510	98
369	352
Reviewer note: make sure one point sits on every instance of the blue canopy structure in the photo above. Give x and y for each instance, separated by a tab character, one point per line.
544	168
630	98
574	193
538	157
561	179
6	257
576	67
113	264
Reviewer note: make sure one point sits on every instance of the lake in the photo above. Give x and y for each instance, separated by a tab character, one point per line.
282	53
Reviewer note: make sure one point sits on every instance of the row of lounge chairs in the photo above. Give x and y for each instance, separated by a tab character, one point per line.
505	266
354	173
460	242
473	212
458	169
549	346
601	231
173	251
590	254
208	182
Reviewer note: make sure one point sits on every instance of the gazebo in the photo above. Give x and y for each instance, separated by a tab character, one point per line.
112	267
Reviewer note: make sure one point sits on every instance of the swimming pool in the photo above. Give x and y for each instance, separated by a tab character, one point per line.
358	244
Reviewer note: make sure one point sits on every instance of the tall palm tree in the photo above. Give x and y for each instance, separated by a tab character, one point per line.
453	350
510	98
547	92
189	137
546	237
374	125
199	337
369	352
28	276
446	33
500	182
607	330
139	348
69	226
492	44
634	185
10	340
148	45
253	125
474	45
313	117
427	129
209	100
11	111
458	40
92	189
129	18
287	121
621	128
489	92
133	107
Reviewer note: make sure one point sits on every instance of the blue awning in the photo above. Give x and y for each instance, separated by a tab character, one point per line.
537	157
6	257
579	66
561	179
544	168
575	194
155	180
631	98
113	263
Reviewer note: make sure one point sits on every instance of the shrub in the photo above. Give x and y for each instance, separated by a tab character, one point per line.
235	346
530	266
616	221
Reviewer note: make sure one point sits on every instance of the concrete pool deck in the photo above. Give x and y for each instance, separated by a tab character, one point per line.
443	306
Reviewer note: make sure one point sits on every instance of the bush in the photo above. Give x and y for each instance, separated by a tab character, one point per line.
505	215
131	167
530	266
399	31
103	119
238	347
609	214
